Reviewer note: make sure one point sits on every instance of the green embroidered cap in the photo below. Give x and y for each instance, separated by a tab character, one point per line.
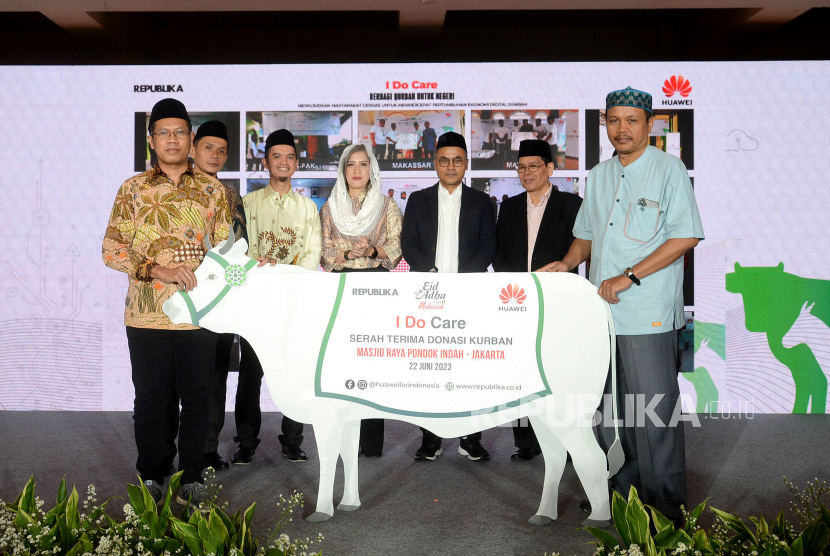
629	97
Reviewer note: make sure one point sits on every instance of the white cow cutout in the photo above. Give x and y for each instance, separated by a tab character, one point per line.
811	330
283	312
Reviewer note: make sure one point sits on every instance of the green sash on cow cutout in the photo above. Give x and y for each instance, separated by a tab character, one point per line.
235	276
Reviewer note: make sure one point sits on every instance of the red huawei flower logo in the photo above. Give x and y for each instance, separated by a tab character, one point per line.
514	292
677	84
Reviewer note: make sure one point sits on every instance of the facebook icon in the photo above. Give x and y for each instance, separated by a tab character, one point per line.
349	384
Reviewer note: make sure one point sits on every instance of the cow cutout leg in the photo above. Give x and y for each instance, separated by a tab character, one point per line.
329	435
348	453
555	458
591	467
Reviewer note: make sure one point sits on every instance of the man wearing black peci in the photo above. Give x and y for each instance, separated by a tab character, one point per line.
534	228
209	153
157	226
449	227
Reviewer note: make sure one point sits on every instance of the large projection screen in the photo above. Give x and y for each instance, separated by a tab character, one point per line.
751	135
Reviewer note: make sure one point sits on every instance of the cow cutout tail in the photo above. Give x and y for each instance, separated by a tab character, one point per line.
616	456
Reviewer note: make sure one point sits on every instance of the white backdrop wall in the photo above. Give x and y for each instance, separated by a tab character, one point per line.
759	166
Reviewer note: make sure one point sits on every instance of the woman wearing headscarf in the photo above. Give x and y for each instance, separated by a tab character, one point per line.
361	233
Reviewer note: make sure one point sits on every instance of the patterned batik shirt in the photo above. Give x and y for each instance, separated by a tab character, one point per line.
283	227
237	211
157	222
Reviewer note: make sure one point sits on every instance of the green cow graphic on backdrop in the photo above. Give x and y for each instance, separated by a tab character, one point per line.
772	302
713	336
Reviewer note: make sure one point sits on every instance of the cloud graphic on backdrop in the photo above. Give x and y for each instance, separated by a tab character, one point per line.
737	140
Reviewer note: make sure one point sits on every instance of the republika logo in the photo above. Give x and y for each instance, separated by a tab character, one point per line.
677	84
157	89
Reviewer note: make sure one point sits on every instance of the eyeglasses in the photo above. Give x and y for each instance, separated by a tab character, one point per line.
532	168
443	162
165	133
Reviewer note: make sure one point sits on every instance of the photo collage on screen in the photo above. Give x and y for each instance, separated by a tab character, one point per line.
404	142
497	134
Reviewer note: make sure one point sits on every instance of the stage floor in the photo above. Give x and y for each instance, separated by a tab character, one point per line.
450	506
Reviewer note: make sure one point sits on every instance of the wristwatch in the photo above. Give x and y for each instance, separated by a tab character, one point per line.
375	254
629	273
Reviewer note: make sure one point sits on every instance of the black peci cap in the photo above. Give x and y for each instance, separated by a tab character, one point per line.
168	108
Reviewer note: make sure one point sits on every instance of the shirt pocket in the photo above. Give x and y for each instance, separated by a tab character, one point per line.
641	223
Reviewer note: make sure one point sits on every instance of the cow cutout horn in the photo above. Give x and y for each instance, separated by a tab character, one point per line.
228	244
208	246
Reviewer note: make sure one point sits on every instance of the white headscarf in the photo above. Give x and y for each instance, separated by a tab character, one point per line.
340	205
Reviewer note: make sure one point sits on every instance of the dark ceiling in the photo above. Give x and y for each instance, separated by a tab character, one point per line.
376	36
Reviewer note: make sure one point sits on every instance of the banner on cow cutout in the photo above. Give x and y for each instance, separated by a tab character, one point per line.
430	345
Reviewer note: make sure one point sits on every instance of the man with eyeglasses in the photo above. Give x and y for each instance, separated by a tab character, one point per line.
155	235
449	227
534	228
284	228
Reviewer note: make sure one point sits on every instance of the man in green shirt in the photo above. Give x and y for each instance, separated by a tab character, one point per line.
284	228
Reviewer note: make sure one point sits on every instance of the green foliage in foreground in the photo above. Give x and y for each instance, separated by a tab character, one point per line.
645	531
147	530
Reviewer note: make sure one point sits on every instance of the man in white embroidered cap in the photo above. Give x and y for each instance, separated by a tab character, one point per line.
639	217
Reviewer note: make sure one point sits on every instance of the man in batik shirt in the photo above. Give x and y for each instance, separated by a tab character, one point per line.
155	235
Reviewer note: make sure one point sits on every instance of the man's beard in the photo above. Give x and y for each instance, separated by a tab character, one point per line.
282	179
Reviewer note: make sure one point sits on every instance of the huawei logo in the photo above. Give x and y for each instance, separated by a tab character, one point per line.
514	292
677	84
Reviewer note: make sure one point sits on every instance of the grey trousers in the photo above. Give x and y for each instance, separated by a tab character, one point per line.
655	456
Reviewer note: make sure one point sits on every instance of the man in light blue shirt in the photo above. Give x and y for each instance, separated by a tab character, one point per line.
638	219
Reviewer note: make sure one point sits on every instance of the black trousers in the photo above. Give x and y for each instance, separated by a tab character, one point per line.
218	391
429	436
371	430
247	412
524	437
216	399
379	151
156	355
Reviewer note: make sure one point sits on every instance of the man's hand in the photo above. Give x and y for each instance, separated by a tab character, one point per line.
180	275
264	261
556	266
609	289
